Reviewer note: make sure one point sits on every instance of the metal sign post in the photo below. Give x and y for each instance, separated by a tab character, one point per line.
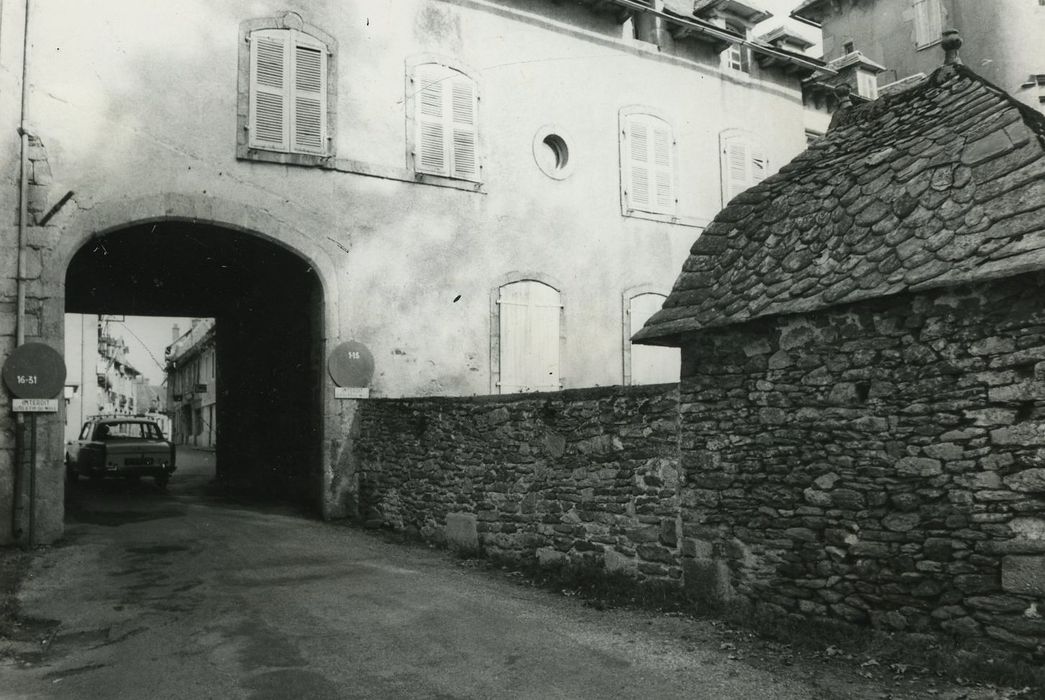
34	374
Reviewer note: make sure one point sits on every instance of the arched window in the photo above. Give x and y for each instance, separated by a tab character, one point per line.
645	364
443	103
287	96
744	162
528	340
647	156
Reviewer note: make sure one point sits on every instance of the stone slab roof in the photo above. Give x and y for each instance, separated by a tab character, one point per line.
936	185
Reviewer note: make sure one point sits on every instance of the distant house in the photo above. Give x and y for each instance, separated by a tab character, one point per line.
903	37
191	385
863	372
99	376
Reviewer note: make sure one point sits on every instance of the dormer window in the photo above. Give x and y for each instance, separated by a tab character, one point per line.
737	56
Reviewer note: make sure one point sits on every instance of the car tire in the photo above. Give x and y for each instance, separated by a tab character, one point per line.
71	475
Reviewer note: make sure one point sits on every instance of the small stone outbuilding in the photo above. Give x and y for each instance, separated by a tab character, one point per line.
863	373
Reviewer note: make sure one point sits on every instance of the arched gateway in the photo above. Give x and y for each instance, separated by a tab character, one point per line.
273	294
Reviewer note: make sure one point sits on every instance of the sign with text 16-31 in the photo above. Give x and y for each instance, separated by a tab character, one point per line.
34	372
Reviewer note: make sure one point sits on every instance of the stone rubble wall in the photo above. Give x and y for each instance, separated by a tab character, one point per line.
586	476
882	463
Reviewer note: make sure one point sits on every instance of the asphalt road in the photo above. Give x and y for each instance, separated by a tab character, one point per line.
179	594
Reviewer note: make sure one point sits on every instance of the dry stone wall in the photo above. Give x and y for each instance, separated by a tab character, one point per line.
584	476
880	463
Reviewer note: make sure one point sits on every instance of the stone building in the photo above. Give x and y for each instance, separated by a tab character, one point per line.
192	385
423	177
863	355
903	36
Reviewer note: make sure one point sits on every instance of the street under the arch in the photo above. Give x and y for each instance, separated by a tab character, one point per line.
268	306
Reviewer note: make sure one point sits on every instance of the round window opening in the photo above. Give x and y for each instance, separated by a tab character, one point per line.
560	154
552	154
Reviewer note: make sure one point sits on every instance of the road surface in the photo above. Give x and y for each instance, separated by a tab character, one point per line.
178	594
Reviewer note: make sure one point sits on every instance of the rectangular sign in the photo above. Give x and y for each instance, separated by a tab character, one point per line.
34	405
351	392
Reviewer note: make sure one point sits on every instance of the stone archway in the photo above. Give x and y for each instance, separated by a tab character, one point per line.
225	221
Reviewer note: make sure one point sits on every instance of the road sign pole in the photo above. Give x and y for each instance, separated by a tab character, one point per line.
31	539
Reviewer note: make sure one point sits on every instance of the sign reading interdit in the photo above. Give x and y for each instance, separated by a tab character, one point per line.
34	405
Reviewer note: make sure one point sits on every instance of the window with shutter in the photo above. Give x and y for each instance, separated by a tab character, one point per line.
529	329
445	122
647	164
928	22
744	164
288	102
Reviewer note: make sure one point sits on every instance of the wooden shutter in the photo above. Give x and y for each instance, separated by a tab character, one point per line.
464	128
928	22
446	115
663	167
430	141
269	117
650	365
638	161
529	332
743	165
649	164
309	89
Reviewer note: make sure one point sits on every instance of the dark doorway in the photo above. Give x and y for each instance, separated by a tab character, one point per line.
267	303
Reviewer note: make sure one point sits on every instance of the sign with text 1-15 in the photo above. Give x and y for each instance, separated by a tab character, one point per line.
32	372
351	366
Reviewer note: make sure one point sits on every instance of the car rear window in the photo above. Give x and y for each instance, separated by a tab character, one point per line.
127	431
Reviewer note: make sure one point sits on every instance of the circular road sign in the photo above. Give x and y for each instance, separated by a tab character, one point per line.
34	371
351	364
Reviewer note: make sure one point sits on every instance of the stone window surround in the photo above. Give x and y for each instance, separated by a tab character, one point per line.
495	321
285	20
411	64
626	298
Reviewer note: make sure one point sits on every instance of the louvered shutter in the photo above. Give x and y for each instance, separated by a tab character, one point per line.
638	163
759	165
735	177
269	117
663	168
464	128
529	337
650	164
309	87
447	119
430	141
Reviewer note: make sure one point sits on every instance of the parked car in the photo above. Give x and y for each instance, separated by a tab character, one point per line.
120	446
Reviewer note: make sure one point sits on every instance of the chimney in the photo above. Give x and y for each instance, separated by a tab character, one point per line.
175	333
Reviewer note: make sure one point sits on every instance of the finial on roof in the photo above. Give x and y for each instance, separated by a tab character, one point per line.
952	41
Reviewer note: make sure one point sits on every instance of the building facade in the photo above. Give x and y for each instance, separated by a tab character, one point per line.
1002	39
192	385
482	192
99	376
